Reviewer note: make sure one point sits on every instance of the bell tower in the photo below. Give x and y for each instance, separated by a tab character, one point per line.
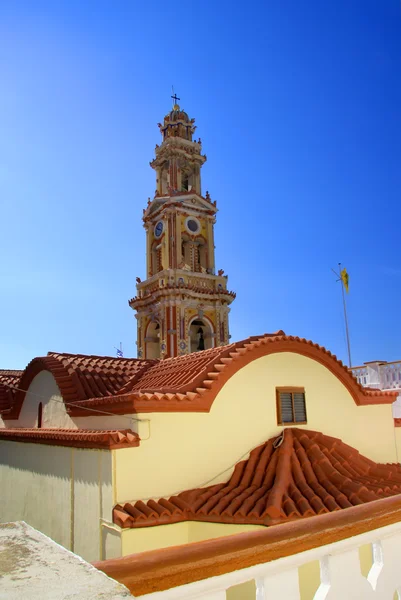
183	305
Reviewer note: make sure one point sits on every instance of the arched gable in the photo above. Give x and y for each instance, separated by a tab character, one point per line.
79	377
191	383
66	383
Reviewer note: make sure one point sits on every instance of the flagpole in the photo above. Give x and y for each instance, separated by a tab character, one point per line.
345	317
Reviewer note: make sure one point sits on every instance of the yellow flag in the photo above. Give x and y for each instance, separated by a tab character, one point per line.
345	279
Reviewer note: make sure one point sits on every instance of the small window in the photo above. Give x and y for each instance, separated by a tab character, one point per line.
193	225
291	407
40	414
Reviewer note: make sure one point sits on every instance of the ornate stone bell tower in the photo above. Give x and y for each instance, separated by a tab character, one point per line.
183	305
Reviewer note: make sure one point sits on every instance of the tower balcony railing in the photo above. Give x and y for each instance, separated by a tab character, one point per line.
344	555
183	277
379	374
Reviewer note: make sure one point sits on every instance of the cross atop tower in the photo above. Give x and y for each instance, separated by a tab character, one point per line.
175	98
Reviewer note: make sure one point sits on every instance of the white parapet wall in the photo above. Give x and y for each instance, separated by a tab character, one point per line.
64	492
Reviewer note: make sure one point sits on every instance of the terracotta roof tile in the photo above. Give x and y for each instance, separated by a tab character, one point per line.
192	382
298	474
9	379
186	383
78	438
99	376
80	377
181	373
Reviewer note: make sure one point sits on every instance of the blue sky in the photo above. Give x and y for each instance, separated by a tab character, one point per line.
298	107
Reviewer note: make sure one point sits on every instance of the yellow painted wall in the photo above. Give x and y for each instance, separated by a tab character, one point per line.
199	531
243	591
63	492
143	539
196	449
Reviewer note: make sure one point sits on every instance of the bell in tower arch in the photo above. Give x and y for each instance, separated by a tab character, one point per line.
201	342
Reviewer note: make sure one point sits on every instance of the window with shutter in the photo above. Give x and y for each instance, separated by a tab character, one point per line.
291	407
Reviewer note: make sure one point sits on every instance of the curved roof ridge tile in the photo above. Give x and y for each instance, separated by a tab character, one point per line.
291	493
185	383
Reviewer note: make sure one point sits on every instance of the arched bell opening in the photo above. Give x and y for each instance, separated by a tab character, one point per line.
186	251
201	335
152	340
200	255
165	178
156	257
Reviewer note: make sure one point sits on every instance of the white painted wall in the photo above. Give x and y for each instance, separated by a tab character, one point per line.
106	422
43	389
63	492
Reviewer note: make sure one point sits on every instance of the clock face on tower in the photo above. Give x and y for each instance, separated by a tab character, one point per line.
158	229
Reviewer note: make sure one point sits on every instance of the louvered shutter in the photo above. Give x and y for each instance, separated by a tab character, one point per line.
286	407
299	407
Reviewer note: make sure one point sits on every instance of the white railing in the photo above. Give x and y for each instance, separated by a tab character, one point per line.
390	375
273	560
379	375
361	375
340	574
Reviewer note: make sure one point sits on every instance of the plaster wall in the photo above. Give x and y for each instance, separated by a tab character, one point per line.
188	450
106	422
142	539
44	389
62	492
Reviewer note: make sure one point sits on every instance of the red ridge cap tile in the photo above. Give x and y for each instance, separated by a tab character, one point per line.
77	438
187	375
185	383
302	477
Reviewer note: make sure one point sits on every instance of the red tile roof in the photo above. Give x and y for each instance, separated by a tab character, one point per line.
100	376
185	383
192	382
78	438
80	377
298	474
180	374
8	381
